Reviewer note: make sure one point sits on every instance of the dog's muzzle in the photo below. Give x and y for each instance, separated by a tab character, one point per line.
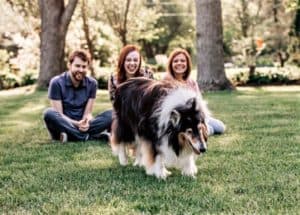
203	147
198	147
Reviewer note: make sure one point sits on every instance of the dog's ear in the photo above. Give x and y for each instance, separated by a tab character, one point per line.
174	117
182	139
203	130
191	103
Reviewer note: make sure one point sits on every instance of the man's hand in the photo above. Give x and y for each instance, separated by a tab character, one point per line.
84	125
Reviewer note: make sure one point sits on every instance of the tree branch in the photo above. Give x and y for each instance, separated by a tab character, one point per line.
67	15
126	14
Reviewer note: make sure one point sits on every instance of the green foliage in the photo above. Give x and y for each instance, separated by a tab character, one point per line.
4	59
182	42
102	76
157	67
264	61
28	79
295	59
260	79
253	168
228	38
176	28
264	76
102	82
161	68
9	80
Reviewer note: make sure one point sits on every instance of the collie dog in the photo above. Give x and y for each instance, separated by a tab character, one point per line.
164	124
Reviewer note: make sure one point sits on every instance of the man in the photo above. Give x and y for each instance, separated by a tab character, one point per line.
72	95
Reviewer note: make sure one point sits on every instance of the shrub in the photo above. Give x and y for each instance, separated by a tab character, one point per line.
264	76
28	79
9	80
264	61
102	82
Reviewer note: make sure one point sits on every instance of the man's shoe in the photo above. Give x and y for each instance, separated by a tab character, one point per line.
104	136
63	138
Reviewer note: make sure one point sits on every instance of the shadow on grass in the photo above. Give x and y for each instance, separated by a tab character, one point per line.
86	173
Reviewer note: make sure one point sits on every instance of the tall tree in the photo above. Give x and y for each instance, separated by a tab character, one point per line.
55	19
211	74
86	30
117	17
131	21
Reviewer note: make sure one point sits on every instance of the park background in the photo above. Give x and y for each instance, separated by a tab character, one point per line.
250	76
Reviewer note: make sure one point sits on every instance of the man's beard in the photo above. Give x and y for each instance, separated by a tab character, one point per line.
76	78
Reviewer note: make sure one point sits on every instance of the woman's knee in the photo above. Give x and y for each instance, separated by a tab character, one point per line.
218	126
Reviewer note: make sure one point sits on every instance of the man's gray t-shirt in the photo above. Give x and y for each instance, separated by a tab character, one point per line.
73	99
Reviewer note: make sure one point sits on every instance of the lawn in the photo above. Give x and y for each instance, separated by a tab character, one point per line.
254	168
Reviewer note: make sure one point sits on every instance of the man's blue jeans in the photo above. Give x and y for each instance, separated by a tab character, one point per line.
56	124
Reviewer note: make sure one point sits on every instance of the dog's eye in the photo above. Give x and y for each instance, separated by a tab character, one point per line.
189	131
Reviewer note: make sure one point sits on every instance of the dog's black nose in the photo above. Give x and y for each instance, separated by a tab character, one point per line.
203	147
202	150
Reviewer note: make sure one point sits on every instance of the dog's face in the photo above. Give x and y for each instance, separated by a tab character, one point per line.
189	130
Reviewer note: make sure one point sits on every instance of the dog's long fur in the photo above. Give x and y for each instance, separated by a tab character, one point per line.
164	123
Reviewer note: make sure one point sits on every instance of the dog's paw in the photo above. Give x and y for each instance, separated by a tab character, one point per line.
190	171
123	160
137	162
167	172
160	173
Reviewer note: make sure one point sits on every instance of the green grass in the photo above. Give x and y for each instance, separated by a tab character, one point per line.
254	168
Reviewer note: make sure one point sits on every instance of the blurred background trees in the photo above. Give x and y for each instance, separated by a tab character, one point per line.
256	34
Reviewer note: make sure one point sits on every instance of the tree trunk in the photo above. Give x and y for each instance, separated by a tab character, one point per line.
86	30
123	31
211	73
55	19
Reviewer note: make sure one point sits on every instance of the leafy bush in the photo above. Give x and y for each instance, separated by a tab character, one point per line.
264	61
157	68
102	82
275	78
9	80
260	78
28	79
264	75
295	59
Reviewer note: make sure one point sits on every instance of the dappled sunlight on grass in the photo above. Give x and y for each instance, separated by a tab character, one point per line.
27	90
227	140
16	125
30	108
247	97
216	189
91	157
286	88
95	164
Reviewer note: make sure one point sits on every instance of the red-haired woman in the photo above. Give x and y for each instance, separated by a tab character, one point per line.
129	66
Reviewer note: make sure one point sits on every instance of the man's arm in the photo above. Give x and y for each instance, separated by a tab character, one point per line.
87	115
84	123
57	105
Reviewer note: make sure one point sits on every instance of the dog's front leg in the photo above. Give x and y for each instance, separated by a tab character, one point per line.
188	166
123	159
158	168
